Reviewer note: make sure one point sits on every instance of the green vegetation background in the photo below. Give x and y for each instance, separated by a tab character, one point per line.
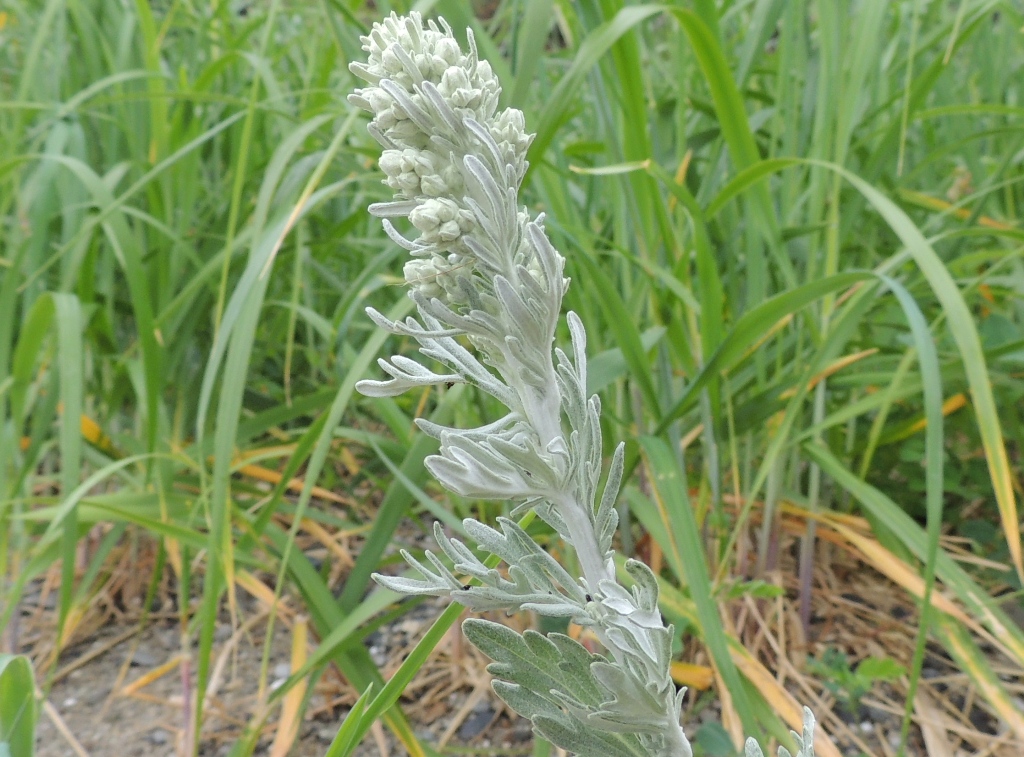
793	227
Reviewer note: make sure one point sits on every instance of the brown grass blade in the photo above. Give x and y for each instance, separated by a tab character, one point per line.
291	709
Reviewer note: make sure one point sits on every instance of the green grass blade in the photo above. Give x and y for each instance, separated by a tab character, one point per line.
530	42
751	327
17	706
560	101
744	180
68	317
735	126
890	514
965	334
388	696
673	499
625	331
970	659
345	740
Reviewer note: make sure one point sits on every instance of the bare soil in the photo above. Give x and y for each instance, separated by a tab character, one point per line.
120	688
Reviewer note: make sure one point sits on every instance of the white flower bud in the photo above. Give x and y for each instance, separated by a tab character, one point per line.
378	99
405	131
385	119
483	70
422	162
391	162
454	78
448	210
509	127
512	118
433	66
448	50
433	185
409	183
424	275
466	98
425	217
449	231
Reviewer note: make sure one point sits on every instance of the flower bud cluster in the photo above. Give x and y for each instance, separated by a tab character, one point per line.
441	220
403	50
423	90
508	130
431	276
411	173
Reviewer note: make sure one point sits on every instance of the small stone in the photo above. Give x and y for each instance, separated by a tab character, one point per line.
876	715
522	730
866	726
899	612
379	655
475	724
282	670
158	737
980	719
326	735
143	659
69	703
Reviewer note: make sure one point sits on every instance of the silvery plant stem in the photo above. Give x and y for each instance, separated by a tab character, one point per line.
488	288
